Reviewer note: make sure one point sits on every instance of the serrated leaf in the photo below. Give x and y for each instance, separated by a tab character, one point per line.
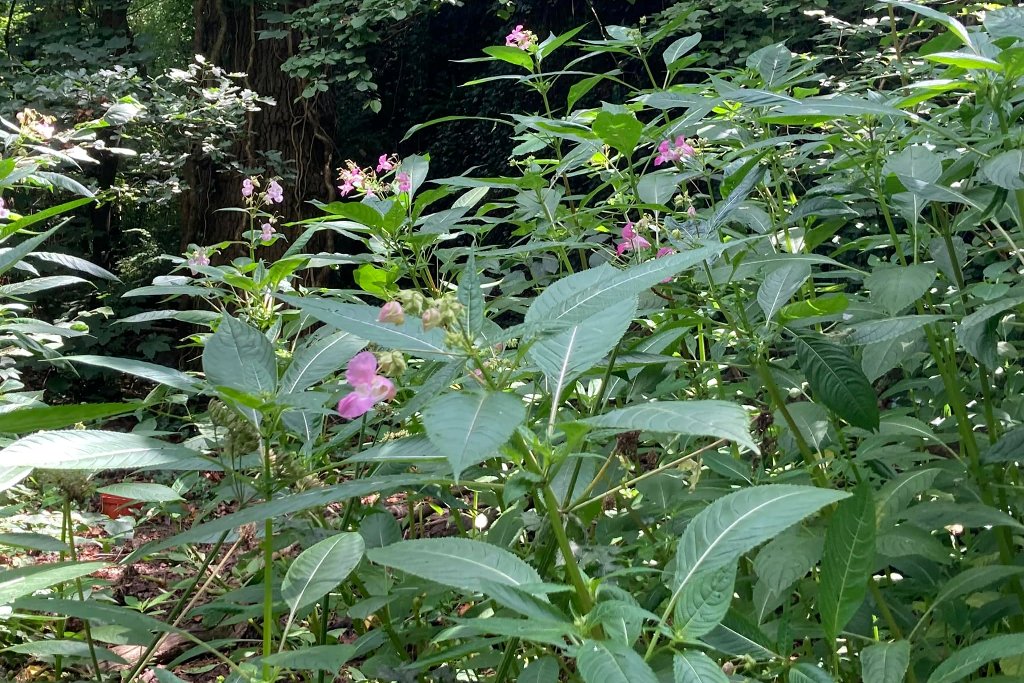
16	583
99	450
34	418
965	662
705	601
719	419
564	355
320	568
808	673
321	358
885	662
740	521
240	357
609	662
966	582
541	670
779	286
895	288
459	563
693	666
837	381
1009	448
149	493
878	331
897	494
470	426
679	48
847	560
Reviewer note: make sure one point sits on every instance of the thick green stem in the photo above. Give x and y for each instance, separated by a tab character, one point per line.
816	471
582	598
73	553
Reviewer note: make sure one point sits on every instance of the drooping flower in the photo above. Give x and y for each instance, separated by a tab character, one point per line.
267	232
391	312
368	388
692	211
664	251
669	151
198	258
352	178
631	240
4	211
275	193
385	163
431	319
521	39
404	182
248	187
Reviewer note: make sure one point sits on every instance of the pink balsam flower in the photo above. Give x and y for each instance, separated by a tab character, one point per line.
521	39
391	312
404	182
692	211
247	187
275	193
385	163
4	212
631	240
368	388
665	251
669	151
198	259
267	232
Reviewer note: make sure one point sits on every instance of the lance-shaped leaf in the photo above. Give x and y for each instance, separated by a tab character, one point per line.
469	427
847	561
606	661
837	381
967	661
704	601
780	285
719	419
693	666
319	569
78	449
885	662
239	357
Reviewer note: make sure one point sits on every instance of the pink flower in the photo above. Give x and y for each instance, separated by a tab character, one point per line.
4	212
521	39
275	193
368	388
352	178
668	152
431	319
267	232
385	163
391	312
197	259
631	240
404	182
692	211
664	251
247	187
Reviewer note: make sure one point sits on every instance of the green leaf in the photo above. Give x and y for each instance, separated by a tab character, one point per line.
321	358
966	582
361	320
771	63
878	331
809	673
1009	448
281	507
719	419
471	297
1006	170
149	493
693	666
511	55
541	670
704	601
949	22
658	187
786	559
459	563
679	49
98	450
621	131
12	256
897	494
837	381
151	371
552	633
470	426
820	307
33	541
320	568
965	662
740	521
885	662
620	620
610	662
964	60
847	560
16	583
329	658
896	287
35	418
780	285
240	357
64	648
521	601
918	162
565	355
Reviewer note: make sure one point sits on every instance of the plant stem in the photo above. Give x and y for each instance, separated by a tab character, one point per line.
268	564
584	601
817	474
73	553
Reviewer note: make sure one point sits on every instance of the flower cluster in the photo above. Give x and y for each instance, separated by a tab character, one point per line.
368	388
373	182
4	211
524	40
198	258
632	240
273	195
433	313
35	125
669	151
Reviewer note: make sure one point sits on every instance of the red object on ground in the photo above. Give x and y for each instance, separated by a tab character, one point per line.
118	506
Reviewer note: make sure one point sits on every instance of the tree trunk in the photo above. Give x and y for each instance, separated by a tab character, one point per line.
226	33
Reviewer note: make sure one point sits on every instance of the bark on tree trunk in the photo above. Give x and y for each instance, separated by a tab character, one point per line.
300	130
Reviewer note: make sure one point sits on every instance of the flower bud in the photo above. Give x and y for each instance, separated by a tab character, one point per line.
391	363
391	312
450	310
412	301
431	319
